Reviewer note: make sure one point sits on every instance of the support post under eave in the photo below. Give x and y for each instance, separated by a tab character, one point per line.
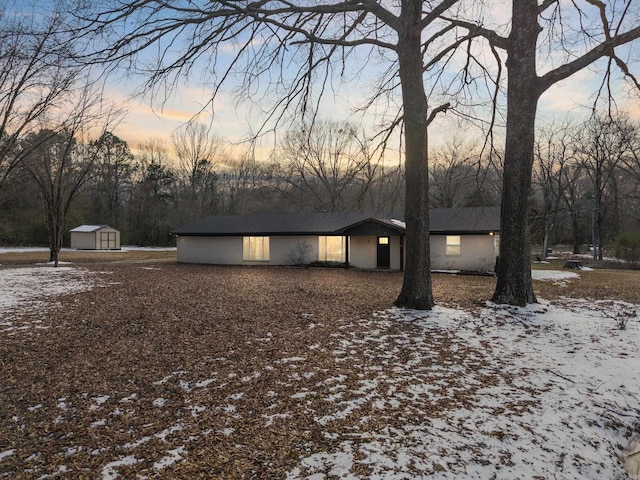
346	253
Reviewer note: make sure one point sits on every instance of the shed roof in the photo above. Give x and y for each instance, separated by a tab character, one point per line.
442	220
88	228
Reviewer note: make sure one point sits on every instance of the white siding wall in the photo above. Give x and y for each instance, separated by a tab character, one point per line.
83	240
216	250
228	250
478	253
363	252
395	253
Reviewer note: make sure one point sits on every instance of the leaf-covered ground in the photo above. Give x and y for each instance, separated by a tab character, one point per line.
158	370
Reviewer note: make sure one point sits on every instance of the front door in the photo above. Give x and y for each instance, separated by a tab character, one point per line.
384	252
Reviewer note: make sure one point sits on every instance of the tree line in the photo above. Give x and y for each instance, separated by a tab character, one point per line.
586	181
151	189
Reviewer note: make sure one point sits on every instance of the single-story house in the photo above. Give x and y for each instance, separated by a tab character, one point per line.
460	239
95	237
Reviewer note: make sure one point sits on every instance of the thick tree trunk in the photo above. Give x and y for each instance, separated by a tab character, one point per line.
416	288
514	285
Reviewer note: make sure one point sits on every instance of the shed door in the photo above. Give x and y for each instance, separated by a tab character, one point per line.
107	240
384	252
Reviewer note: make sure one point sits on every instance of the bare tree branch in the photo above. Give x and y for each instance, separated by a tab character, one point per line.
602	50
437	110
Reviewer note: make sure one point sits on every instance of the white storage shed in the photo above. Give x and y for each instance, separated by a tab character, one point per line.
95	237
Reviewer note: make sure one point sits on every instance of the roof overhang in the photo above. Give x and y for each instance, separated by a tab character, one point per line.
373	226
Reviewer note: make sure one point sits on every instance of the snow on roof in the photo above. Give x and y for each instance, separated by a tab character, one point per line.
88	228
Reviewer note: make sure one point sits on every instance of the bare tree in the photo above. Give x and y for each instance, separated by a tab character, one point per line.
198	152
596	30
452	174
317	41
552	158
243	183
631	169
36	72
574	193
601	147
386	193
60	161
153	195
112	176
325	166
488	180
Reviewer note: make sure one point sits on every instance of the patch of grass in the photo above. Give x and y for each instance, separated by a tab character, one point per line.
88	256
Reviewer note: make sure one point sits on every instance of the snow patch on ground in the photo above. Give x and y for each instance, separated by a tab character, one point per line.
553	275
28	288
565	402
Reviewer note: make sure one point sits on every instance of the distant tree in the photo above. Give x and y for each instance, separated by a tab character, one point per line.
453	172
600	147
36	74
152	205
324	166
21	219
630	175
111	179
627	247
488	180
552	157
198	152
386	192
244	184
574	194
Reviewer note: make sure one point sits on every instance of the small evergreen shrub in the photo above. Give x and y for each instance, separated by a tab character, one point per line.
627	247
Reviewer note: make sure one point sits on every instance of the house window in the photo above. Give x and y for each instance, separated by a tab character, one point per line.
255	249
453	245
383	240
331	249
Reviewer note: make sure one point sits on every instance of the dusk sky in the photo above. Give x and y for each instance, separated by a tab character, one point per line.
570	99
148	117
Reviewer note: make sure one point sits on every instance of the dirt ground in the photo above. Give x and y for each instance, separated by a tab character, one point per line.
116	368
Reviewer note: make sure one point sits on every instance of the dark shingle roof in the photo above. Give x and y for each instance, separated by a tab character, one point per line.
442	220
464	220
270	224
